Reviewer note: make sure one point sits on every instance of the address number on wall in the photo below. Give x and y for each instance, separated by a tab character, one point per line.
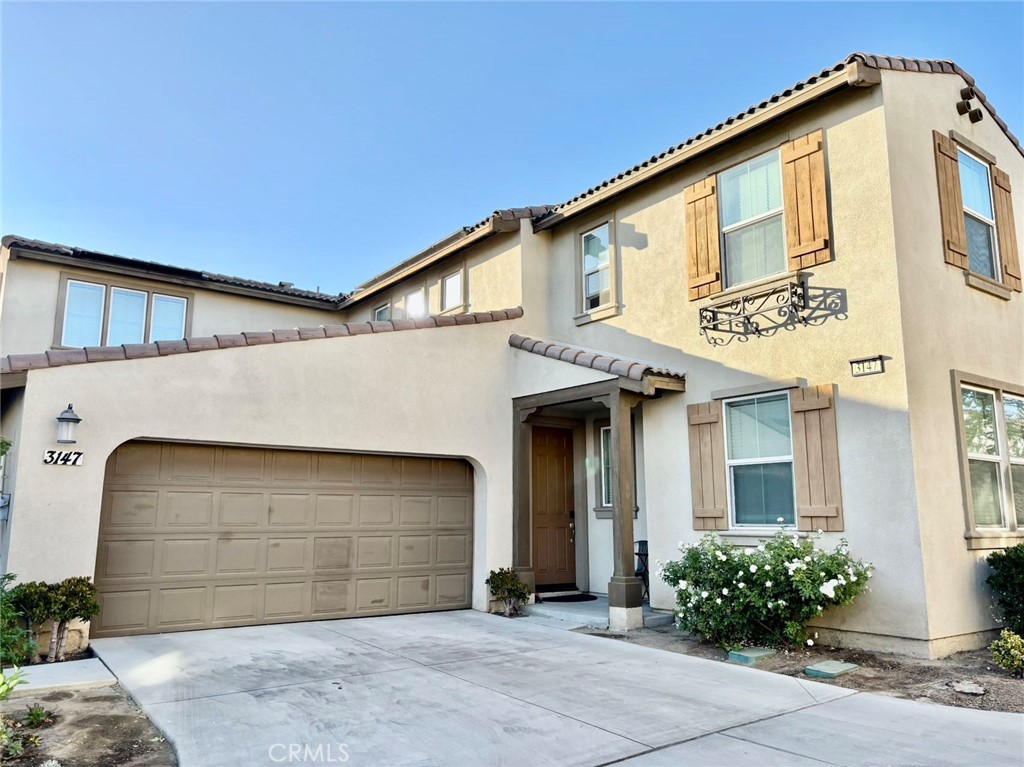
63	457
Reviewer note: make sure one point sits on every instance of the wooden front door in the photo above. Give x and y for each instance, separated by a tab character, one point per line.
554	540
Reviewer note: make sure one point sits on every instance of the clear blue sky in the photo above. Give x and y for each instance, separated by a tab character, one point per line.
321	143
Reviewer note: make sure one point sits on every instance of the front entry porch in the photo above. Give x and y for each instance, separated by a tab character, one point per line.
556	481
593	614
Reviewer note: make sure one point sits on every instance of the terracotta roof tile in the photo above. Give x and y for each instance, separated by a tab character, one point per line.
631	369
201	344
59	357
166	347
230	340
17	363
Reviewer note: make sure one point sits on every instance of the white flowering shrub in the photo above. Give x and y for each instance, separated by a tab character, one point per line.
735	596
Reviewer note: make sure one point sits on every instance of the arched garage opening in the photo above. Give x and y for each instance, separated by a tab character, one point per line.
196	536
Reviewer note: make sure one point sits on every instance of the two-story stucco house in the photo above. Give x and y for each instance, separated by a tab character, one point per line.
811	311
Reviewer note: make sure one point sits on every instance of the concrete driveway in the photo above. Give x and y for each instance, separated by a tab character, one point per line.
465	688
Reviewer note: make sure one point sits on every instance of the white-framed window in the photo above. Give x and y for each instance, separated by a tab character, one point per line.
451	291
83	314
382	312
595	250
127	322
97	314
605	433
994	436
979	215
752	219
759	460
416	304
167	318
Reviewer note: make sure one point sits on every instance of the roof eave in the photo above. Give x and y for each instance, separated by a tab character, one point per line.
857	74
172	275
493	225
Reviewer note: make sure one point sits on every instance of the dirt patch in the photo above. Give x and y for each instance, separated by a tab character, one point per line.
929	681
99	727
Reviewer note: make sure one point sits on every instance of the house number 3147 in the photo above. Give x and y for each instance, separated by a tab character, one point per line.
63	457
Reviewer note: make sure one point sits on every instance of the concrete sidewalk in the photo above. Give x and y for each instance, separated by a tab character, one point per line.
464	688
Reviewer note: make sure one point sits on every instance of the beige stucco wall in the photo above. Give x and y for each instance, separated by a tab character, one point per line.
947	326
443	391
493	281
31	290
658	324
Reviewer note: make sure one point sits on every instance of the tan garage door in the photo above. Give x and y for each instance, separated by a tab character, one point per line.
200	536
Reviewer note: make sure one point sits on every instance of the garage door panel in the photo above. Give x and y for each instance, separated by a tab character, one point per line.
286	600
186	509
191	463
243	465
199	536
291	467
241	509
238	555
334	510
132	509
178	607
416	510
290	509
291	554
332	598
182	557
376	510
332	553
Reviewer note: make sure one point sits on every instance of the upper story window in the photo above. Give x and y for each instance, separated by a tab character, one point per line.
382	312
976	215
765	217
596	255
994	445
451	292
416	304
759	460
98	314
979	216
753	227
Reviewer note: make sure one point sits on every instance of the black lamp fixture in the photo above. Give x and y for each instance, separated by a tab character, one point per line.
67	425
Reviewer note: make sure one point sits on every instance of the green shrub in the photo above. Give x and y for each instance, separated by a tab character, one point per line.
1008	652
1007	581
16	644
735	596
9	681
60	603
506	586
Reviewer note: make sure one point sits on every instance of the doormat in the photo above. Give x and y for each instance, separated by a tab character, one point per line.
571	598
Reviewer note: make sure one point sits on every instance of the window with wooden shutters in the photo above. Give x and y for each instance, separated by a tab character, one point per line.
819	503
703	240
976	210
1005	230
805	193
707	466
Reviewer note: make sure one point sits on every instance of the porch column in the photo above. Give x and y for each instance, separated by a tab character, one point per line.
625	591
522	546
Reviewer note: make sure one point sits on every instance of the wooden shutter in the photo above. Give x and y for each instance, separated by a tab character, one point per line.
703	239
951	202
1008	253
805	201
819	503
707	466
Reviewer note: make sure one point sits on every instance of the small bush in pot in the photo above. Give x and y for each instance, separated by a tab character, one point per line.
506	586
1007	581
765	595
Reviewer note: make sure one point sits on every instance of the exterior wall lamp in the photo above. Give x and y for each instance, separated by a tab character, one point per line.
67	425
